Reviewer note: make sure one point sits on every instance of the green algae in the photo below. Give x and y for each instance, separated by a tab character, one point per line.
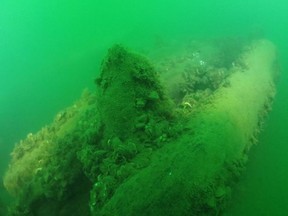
129	150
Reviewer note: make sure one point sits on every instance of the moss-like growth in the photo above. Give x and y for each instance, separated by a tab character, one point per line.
123	152
45	172
128	87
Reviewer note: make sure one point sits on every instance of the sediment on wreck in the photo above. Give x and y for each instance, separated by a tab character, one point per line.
141	146
194	174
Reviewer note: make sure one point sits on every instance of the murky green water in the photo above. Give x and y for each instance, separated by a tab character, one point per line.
51	50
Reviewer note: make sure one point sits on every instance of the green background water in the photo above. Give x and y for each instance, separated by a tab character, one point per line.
51	50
